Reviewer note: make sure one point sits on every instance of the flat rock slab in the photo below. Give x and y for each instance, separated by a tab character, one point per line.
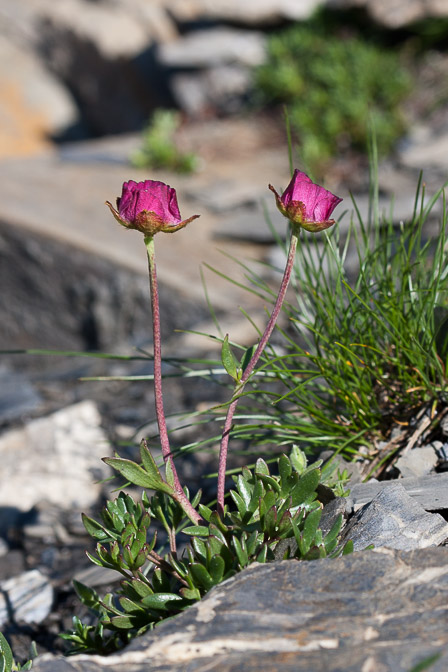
375	611
395	520
431	492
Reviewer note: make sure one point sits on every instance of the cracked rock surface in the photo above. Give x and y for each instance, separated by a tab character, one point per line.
373	611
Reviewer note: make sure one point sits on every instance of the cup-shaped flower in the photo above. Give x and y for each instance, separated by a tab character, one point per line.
149	207
306	204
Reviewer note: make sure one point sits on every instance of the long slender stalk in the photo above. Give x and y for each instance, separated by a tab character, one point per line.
249	369
158	392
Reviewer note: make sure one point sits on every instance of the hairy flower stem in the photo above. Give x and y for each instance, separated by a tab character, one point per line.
160	412
249	369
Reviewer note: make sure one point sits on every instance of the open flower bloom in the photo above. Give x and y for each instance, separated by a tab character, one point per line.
149	207
306	204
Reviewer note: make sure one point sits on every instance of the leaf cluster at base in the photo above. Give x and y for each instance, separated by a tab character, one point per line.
265	509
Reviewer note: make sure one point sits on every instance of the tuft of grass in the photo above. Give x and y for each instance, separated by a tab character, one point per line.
362	354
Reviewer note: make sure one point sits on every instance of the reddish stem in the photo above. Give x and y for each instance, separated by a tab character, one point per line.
160	412
249	369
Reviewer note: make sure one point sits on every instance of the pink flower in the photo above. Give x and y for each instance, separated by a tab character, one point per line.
306	204
149	207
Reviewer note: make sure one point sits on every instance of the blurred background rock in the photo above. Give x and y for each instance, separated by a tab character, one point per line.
95	92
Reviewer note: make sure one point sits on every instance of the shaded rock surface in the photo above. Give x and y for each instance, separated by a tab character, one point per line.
378	610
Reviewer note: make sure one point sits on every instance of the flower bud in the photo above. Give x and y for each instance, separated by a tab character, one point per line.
149	207
306	204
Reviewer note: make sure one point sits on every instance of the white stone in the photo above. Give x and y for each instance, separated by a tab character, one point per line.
28	596
417	462
55	459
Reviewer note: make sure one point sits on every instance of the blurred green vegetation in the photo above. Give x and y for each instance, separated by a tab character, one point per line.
159	148
334	85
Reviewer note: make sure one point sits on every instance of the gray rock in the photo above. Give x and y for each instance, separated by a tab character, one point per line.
17	395
331	511
4	548
393	519
55	459
26	598
444	425
221	89
216	46
249	12
431	492
425	149
372	611
417	462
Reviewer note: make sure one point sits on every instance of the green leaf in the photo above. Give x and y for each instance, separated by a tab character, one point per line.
161	601
245	491
241	552
331	538
129	606
228	359
190	593
88	596
200	549
298	459
261	557
148	461
197	499
133	473
239	501
196	530
270	521
122	622
96	530
169	475
251	542
284	468
205	512
217	568
141	588
6	657
247	356
269	481
269	500
201	575
305	487
310	527
261	467
257	492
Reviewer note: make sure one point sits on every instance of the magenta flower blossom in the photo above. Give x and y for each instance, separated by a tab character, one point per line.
149	207
306	204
